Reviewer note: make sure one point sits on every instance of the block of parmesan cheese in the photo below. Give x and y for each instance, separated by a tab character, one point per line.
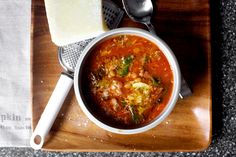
74	20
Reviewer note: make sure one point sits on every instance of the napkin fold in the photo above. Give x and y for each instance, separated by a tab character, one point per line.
15	111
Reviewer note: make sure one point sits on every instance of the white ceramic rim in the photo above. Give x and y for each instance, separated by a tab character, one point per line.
171	59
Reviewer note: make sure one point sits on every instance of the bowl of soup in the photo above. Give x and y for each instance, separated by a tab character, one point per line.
127	81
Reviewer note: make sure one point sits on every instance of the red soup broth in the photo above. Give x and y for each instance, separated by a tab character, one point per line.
127	81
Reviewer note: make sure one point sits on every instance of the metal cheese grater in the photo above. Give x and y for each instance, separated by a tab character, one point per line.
68	56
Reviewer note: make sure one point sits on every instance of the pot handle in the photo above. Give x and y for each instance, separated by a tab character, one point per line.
51	110
185	89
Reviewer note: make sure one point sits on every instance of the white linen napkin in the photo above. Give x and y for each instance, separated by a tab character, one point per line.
15	108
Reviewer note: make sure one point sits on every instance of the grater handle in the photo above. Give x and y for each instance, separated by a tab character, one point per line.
51	110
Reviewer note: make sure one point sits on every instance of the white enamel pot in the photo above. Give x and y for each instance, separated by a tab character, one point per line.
162	46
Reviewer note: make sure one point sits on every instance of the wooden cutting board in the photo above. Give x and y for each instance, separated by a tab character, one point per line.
185	26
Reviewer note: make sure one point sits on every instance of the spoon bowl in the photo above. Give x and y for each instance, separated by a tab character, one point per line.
140	11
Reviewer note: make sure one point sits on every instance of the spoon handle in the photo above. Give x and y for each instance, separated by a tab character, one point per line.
150	27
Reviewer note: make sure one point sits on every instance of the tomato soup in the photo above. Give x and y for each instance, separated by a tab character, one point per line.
127	81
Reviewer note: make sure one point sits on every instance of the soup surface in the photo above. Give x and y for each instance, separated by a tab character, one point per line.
128	80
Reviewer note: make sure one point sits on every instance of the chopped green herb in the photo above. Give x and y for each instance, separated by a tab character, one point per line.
128	60
135	117
146	59
156	81
123	103
123	69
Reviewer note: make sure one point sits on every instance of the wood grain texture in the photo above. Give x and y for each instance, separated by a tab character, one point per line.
185	26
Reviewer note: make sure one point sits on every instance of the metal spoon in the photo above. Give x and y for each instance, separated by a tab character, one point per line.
140	11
